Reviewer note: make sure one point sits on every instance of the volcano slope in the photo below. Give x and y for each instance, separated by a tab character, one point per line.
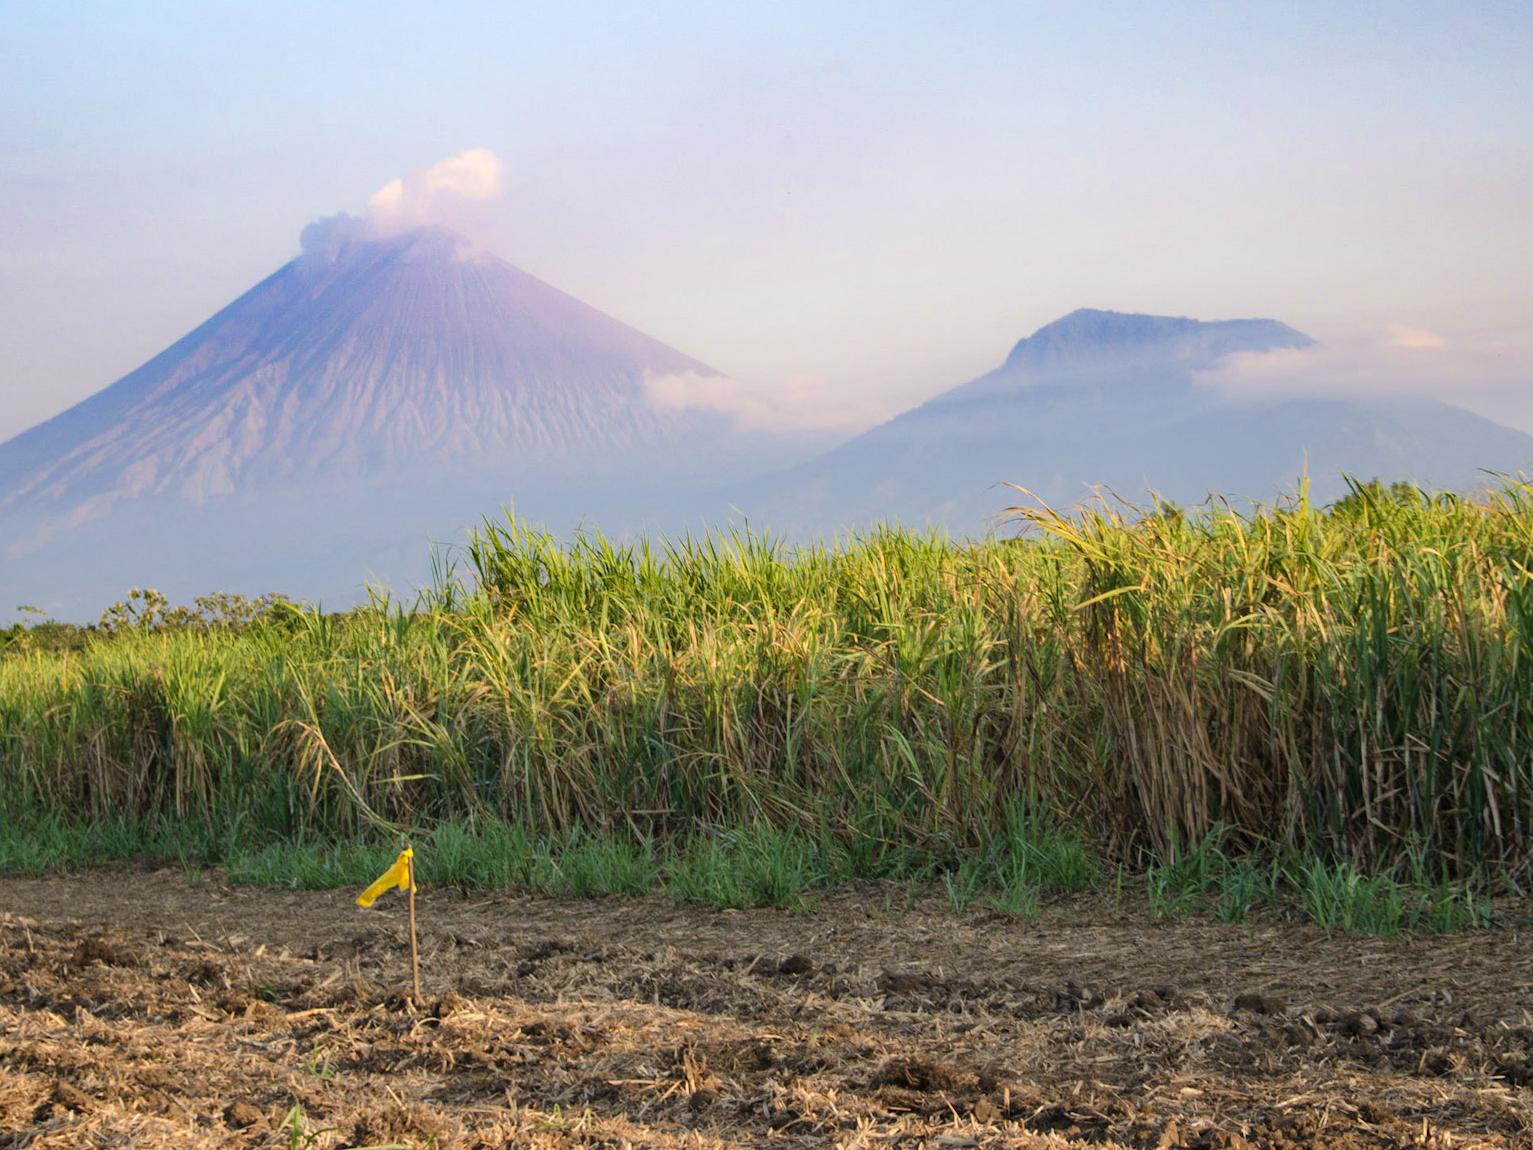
371	397
193	1014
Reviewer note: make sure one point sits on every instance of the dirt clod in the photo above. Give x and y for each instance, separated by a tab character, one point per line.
1359	1024
1260	1003
240	1114
97	951
72	1097
795	964
923	1074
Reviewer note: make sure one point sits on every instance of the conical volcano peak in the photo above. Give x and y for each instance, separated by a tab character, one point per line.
370	356
1087	335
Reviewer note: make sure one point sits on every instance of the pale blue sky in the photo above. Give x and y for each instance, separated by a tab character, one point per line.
881	197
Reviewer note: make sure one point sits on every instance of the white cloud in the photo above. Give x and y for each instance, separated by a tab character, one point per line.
1414	339
441	194
798	403
423	196
1399	361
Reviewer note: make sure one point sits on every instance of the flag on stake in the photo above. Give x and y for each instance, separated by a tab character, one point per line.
397	875
402	875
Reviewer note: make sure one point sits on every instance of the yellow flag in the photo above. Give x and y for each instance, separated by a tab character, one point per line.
397	875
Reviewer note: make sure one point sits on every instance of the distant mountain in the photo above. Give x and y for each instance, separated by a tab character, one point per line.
370	396
375	395
1100	398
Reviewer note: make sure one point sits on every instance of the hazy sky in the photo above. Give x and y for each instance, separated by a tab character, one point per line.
873	199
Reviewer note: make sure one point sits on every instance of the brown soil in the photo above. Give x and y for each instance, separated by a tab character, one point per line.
143	1010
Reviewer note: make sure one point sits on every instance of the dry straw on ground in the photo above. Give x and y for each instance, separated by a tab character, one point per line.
637	1023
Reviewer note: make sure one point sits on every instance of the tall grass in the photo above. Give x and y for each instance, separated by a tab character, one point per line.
1351	685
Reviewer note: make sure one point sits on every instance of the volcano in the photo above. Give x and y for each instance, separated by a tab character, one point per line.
365	358
373	394
1103	401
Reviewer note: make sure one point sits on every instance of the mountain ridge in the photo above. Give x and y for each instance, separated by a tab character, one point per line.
1111	400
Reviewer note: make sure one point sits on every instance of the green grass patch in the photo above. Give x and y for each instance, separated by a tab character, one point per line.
1017	873
36	846
757	866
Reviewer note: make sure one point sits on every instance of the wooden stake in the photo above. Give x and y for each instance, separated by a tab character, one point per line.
415	958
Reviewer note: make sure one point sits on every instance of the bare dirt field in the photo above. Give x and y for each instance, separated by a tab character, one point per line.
145	1010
